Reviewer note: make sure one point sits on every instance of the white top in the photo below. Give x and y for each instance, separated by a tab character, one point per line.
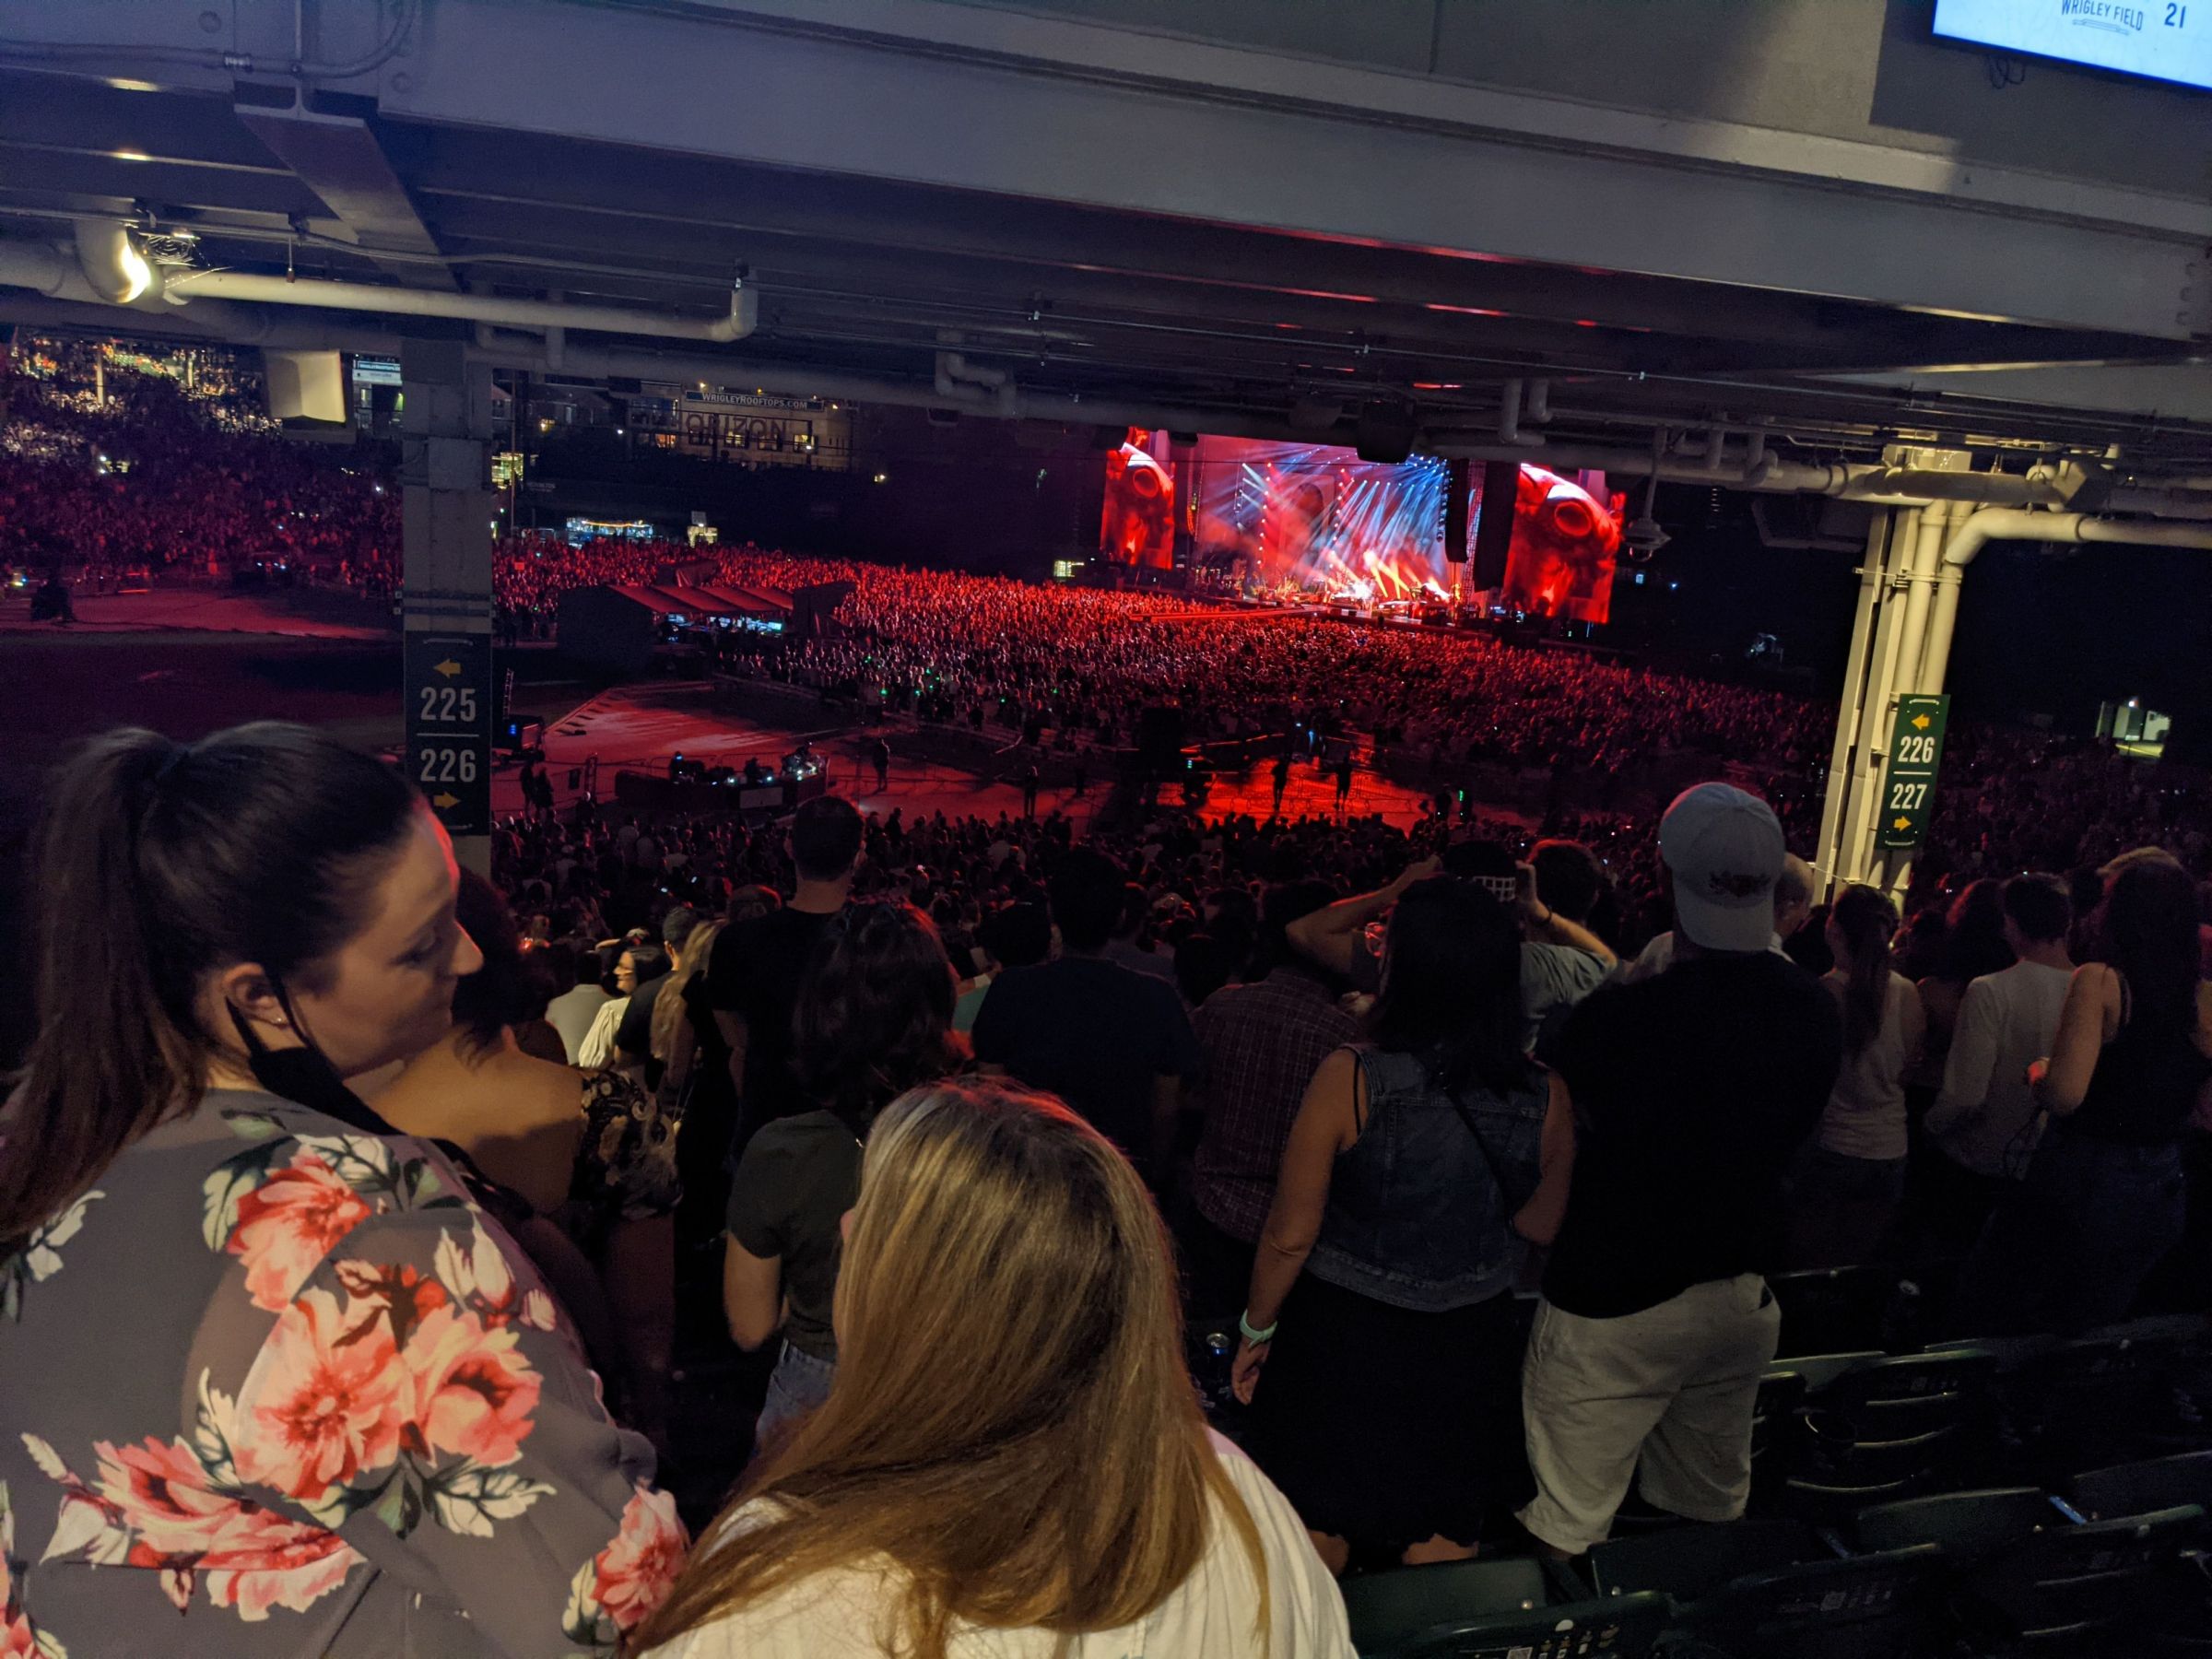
571	1014
1210	1615
1865	1115
1986	1117
1659	956
597	1049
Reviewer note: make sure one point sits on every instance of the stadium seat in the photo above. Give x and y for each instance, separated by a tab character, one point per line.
2133	1489
1774	1435
2077	1590
1690	1562
2082	1404
1819	1369
1890	1428
1969	1525
1829	1310
1771	1590
1492	1608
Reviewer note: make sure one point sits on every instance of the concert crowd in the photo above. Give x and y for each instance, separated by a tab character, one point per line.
1165	1238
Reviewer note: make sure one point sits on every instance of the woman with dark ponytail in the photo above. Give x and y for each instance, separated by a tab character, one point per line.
1853	1176
2106	1197
282	1388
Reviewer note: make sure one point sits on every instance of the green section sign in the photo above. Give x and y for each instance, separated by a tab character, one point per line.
1909	782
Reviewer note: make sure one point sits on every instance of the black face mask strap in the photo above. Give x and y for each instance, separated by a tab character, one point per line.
304	1076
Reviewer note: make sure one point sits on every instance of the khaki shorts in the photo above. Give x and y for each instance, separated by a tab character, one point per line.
1673	1386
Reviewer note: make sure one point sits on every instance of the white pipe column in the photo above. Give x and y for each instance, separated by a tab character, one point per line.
1912	632
1855	863
1826	857
1921	673
1942	614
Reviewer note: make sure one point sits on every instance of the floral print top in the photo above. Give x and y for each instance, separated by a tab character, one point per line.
276	1387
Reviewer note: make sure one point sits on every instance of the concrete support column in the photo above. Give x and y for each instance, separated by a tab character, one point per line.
446	510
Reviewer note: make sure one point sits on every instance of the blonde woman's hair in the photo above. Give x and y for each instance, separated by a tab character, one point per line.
1012	1423
668	1008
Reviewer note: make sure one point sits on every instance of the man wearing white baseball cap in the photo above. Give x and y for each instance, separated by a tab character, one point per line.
1693	1091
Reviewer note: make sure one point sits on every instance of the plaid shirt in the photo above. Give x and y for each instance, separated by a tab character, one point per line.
1263	1045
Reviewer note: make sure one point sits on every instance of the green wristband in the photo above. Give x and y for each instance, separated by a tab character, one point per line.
1257	1339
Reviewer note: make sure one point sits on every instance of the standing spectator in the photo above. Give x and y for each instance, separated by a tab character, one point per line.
633	1037
1281	780
1129	927
1420	1165
1793	907
1115	1045
571	1012
1568	882
1263	1043
235	1318
874	1018
1984	1126
1849	1186
549	1134
2105	1199
1560	960
1974	945
676	1046
981	1431
1344	778
710	1098
1019	935
753	981
519	1118
1030	780
879	757
1692	1092
636	964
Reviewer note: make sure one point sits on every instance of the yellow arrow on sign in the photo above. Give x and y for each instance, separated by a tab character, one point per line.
1919	720
1902	824
448	668
445	800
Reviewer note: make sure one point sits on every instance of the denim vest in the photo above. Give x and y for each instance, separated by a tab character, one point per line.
1416	1218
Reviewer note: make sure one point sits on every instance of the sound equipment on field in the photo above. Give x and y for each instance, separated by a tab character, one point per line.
1494	528
1457	486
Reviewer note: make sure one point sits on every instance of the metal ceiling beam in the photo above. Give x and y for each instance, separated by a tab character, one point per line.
694	201
1028	108
339	158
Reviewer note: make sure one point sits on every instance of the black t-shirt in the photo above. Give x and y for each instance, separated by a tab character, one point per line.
1693	1091
1095	1034
796	1182
755	972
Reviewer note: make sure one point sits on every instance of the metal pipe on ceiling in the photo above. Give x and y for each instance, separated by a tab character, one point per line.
792	380
2008	523
743	318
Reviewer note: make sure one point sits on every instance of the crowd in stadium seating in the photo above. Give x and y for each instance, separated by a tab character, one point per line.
1497	1188
145	477
1488	1220
191	480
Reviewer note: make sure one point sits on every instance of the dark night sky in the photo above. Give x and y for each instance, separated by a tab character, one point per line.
2040	631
